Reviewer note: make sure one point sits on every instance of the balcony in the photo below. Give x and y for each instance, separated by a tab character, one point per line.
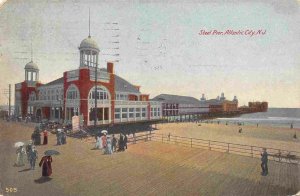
46	103
136	103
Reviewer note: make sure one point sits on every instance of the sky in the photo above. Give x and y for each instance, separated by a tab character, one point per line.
159	45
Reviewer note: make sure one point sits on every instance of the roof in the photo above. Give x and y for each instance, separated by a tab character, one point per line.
89	43
214	101
122	85
176	99
54	82
31	65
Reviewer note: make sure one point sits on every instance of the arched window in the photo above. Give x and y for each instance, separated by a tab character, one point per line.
102	93
32	96
72	92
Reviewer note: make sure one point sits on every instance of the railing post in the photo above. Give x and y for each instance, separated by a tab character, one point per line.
209	144
191	142
227	147
176	140
162	138
252	151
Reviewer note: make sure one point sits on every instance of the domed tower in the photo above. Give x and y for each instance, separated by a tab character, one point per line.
235	99
89	51
31	72
222	98
203	99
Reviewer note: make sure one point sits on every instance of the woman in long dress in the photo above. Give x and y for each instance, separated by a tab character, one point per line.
97	145
21	152
45	132
108	149
103	140
121	143
46	162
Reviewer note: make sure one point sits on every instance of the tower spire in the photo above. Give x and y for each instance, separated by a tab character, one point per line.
89	22
31	52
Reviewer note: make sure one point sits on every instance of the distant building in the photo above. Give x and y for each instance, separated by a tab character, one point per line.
177	106
254	107
221	105
258	106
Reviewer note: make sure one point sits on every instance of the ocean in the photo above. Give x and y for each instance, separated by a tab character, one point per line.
282	117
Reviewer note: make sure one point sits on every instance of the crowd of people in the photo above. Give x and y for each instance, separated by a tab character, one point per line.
110	144
29	150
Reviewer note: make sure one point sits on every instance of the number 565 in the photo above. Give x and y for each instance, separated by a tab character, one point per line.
11	189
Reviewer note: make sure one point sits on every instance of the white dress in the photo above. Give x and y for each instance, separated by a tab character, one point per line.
98	143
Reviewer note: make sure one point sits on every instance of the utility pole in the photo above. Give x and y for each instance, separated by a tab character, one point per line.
95	112
8	92
9	98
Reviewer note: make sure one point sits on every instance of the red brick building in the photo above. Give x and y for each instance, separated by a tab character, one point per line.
118	101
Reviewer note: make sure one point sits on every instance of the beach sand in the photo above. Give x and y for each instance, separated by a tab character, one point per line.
262	136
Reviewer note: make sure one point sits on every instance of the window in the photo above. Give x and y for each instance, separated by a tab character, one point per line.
102	94
143	112
53	97
124	112
137	112
155	112
72	95
117	113
106	113
158	111
30	110
121	97
32	96
131	112
28	75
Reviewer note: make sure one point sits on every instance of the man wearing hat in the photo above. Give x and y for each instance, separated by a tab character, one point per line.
264	162
28	149
33	155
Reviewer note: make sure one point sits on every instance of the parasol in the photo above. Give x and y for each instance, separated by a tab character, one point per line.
103	131
51	152
18	144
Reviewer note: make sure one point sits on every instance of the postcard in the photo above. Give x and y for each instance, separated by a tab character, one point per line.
150	97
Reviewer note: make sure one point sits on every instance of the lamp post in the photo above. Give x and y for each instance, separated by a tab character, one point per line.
59	110
95	109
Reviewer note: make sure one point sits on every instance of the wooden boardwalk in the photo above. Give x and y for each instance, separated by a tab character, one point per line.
148	168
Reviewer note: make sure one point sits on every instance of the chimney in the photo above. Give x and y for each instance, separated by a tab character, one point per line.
137	87
110	67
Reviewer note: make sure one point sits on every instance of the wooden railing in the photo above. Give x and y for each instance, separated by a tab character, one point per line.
140	138
279	155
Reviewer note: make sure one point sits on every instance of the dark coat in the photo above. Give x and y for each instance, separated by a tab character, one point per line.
46	162
264	157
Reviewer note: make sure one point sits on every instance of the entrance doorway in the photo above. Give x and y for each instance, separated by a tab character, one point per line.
38	115
102	114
